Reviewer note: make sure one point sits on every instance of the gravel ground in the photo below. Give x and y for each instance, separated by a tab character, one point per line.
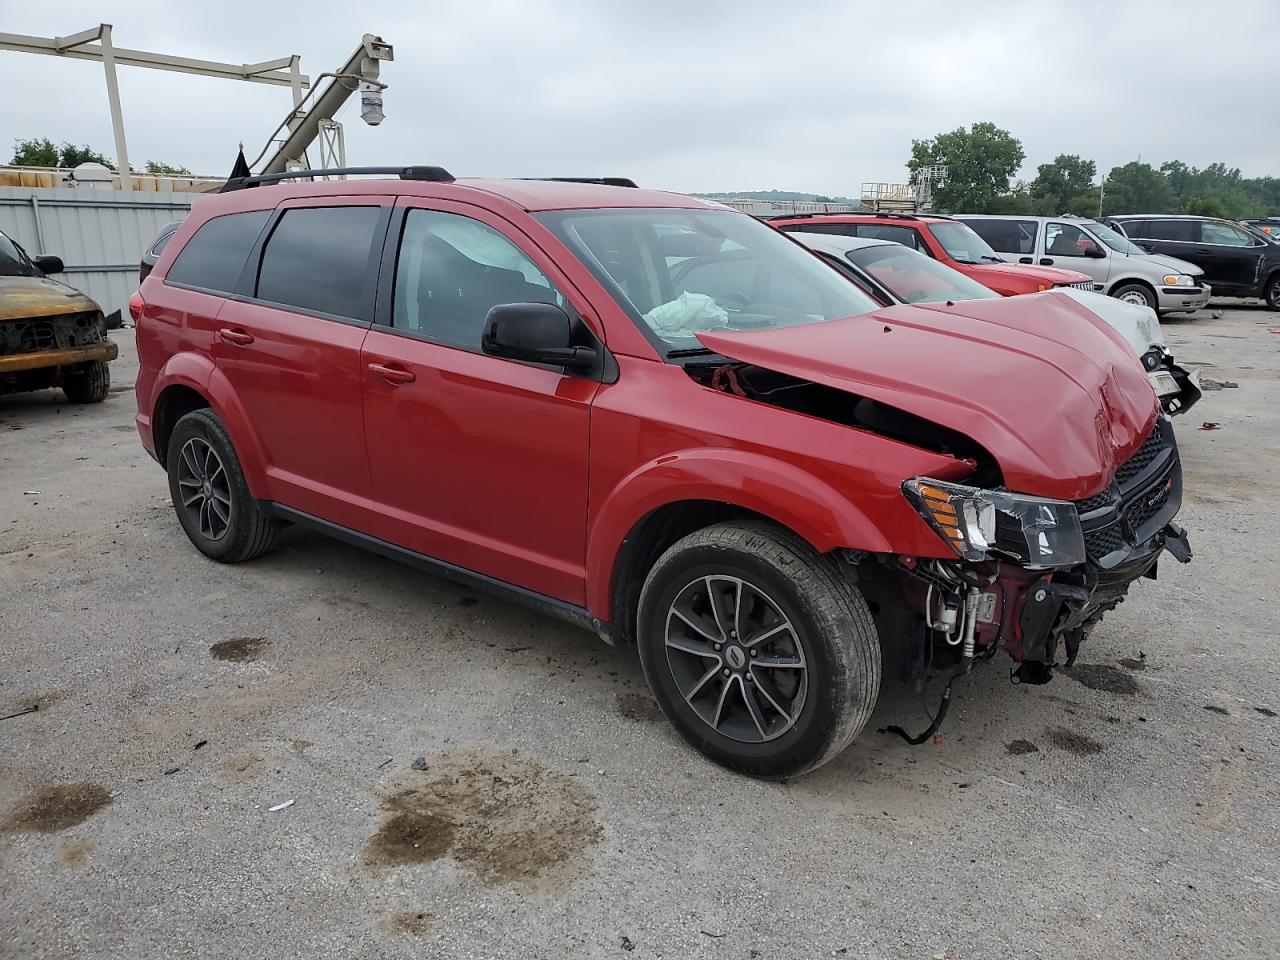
1129	809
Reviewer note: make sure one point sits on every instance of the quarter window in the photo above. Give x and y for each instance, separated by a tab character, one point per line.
317	260
215	255
452	270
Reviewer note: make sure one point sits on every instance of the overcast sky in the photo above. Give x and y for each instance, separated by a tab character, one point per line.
694	95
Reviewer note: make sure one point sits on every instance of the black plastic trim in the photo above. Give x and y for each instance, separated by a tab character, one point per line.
432	174
579	616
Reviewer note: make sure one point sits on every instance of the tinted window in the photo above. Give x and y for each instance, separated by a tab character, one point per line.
1169	230
1225	234
317	258
907	236
452	270
13	262
915	278
214	257
1007	236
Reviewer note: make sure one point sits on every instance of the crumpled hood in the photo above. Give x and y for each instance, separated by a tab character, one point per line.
1049	276
1045	386
23	297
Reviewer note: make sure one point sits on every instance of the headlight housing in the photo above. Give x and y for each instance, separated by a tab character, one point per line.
1179	280
981	524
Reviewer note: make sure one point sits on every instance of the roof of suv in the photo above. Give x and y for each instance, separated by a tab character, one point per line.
840	244
856	217
530	195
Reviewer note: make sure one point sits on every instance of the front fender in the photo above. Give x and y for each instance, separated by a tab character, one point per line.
787	494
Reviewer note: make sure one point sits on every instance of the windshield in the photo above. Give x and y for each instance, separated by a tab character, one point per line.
683	272
13	262
915	278
1115	240
962	244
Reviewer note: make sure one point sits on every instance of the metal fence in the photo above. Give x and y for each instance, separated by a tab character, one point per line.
99	234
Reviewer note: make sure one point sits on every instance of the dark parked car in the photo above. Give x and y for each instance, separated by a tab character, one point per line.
152	253
665	421
1235	261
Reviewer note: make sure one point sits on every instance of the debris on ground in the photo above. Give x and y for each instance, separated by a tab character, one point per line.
1208	383
1210	425
419	764
199	744
22	713
281	806
384	763
1021	747
627	945
170	771
1222	710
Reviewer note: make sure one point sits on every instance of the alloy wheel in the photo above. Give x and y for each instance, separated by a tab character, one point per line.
736	658
205	489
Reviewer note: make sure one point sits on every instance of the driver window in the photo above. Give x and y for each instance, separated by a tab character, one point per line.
1224	234
1065	240
451	270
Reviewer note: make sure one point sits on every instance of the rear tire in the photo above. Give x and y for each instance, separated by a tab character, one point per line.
777	667
1136	293
88	384
210	495
1272	292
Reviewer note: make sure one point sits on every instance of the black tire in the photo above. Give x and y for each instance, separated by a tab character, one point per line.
1272	292
233	527
1131	292
88	383
826	616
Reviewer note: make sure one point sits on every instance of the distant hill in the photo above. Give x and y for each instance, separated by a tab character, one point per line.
783	196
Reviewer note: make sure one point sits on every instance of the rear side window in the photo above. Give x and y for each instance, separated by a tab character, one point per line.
1168	230
906	236
213	258
1007	236
317	260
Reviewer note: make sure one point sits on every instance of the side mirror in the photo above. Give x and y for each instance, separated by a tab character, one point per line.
49	264
534	333
1095	253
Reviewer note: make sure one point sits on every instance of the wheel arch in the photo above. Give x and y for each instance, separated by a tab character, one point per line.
1135	282
669	498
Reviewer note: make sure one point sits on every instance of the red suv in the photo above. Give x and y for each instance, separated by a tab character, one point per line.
947	240
661	419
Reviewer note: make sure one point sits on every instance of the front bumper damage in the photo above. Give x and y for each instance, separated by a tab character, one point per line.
974	610
36	350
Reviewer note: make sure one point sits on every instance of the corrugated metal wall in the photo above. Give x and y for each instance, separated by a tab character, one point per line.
99	234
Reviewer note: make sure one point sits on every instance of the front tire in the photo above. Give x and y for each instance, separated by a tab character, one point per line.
88	384
758	649
1135	293
210	495
1272	293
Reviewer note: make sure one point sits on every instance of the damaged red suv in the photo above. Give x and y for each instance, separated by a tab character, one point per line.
663	420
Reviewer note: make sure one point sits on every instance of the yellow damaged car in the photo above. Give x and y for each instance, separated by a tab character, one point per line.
51	335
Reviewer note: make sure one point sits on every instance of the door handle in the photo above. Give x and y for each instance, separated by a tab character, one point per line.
1045	261
240	338
1024	259
396	376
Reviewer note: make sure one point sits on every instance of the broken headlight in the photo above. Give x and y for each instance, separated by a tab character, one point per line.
988	524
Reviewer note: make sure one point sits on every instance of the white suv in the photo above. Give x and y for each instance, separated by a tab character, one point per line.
1125	270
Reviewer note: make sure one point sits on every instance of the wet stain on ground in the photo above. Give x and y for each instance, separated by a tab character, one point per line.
241	768
74	853
1266	712
239	649
41	701
1221	710
1101	676
468	602
1020	747
506	819
1131	664
56	808
411	922
640	707
1073	742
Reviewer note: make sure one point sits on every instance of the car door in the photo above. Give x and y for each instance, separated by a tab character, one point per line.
478	461
1233	253
289	346
1069	247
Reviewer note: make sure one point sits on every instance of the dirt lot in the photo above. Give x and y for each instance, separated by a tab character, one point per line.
1131	809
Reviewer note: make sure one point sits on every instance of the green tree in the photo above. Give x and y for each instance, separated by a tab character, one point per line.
1059	182
981	161
1206	207
36	152
1084	204
69	155
155	166
1137	188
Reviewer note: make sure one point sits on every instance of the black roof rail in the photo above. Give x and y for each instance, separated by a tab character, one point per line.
603	181
434	174
859	213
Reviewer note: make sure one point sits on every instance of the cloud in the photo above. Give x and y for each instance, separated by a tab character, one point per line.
683	95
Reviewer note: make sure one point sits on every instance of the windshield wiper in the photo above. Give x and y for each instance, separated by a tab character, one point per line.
685	353
987	256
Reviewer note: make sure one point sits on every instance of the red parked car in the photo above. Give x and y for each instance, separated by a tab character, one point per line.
946	240
663	420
